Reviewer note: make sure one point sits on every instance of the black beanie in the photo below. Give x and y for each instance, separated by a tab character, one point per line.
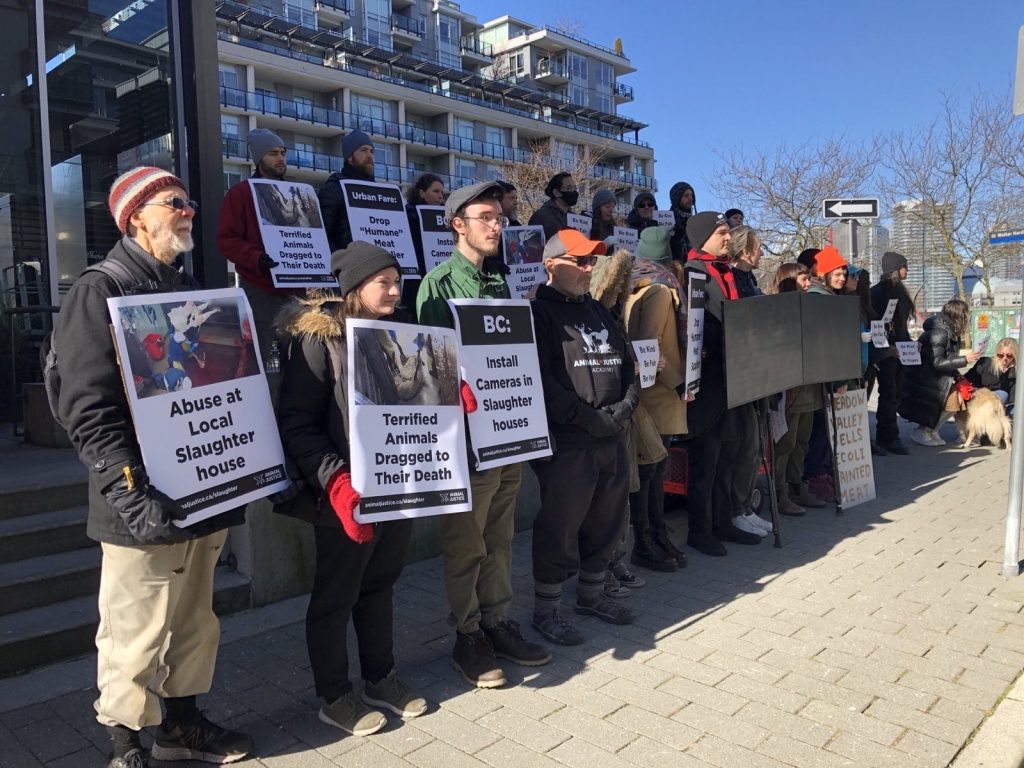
891	261
700	226
353	265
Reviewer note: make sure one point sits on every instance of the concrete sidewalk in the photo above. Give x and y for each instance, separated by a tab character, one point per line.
881	638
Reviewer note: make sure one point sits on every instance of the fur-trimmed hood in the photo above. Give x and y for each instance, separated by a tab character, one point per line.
610	281
316	314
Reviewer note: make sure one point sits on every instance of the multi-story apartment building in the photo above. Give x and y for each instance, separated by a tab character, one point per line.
436	90
917	238
862	244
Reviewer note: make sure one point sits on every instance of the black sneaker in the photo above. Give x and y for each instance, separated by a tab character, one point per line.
474	657
894	446
508	643
606	610
199	739
707	544
133	758
553	626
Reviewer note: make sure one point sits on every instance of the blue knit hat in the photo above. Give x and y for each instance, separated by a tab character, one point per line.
353	141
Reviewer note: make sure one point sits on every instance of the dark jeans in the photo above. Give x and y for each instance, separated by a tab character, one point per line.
582	517
647	504
819	449
741	453
703	460
354	580
890	385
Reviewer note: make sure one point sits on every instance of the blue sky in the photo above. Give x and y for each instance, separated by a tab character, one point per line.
754	73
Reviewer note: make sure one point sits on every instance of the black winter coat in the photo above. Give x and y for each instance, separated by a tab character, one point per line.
710	404
551	217
926	386
986	374
333	208
881	293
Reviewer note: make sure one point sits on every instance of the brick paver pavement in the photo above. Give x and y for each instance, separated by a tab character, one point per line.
880	638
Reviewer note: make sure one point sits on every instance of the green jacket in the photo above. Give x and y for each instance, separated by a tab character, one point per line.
455	278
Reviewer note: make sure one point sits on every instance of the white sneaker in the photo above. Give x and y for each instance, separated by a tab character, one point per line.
937	440
921	436
764	523
744	523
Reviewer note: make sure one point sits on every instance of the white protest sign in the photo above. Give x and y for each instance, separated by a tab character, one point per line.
910	352
498	359
523	249
435	236
199	398
406	428
579	221
647	355
777	419
626	237
853	447
981	343
293	233
695	297
665	218
878	337
890	310
376	214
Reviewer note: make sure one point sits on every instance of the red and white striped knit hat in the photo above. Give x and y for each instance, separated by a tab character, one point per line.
135	187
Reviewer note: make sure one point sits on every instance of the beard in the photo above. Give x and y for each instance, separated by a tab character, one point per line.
268	171
167	242
482	245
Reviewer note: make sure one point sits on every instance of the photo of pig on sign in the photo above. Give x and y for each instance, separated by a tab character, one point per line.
408	443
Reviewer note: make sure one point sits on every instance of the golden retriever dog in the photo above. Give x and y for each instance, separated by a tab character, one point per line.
985	415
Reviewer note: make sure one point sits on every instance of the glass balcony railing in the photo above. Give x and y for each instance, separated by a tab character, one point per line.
472	44
623	90
340	6
410	26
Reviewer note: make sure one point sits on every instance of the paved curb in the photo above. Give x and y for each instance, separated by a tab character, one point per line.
999	742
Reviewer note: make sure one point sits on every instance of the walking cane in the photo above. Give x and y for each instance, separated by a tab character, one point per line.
835	456
768	462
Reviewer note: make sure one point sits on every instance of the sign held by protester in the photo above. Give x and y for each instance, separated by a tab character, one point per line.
878	337
647	356
579	221
408	445
910	352
665	219
890	311
435	236
498	361
523	251
696	295
376	214
199	398
853	447
293	233
626	237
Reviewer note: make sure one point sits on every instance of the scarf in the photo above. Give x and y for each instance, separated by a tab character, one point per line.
719	270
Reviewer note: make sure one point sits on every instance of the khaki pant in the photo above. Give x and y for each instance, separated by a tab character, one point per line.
477	548
158	634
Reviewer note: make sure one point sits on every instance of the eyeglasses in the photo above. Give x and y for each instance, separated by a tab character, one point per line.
177	203
489	221
646	205
582	261
1004	355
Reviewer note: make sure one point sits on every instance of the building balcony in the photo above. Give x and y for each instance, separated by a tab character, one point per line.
551	72
475	50
623	93
332	13
408	30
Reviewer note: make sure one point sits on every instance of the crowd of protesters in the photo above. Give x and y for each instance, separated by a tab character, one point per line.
602	502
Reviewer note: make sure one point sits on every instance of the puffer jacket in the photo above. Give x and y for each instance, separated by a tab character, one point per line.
926	386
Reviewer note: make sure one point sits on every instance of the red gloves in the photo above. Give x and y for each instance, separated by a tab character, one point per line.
344	498
468	398
965	388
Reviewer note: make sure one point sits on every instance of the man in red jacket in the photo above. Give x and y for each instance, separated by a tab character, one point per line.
239	238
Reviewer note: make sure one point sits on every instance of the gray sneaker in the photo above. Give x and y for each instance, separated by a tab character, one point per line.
556	629
606	610
351	715
612	587
391	693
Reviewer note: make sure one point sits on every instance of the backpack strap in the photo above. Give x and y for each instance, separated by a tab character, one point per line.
126	282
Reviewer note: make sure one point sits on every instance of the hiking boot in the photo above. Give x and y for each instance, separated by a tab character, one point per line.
605	609
199	739
893	446
789	508
612	587
664	540
707	544
647	554
556	629
391	693
806	499
508	643
474	657
133	758
744	523
626	577
877	450
735	535
351	715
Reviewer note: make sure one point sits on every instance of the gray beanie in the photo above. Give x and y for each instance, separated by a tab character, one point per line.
891	261
353	141
261	141
602	196
359	261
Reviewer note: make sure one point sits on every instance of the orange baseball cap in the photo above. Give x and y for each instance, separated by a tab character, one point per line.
572	242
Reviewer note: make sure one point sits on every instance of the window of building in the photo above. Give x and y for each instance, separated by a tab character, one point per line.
578	67
231	177
604	73
377	22
301	12
448	34
465	169
492	172
601	101
577	94
227	76
303	107
384	154
372	111
494	135
229	126
266	101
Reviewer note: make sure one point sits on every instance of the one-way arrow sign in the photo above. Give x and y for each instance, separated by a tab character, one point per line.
861	208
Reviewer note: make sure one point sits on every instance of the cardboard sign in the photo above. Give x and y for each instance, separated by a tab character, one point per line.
579	221
647	356
498	359
853	447
406	428
890	310
293	233
376	214
665	219
626	237
435	236
523	249
878	337
910	352
199	398
695	297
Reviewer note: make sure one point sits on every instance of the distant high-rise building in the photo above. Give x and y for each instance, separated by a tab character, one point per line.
915	235
862	244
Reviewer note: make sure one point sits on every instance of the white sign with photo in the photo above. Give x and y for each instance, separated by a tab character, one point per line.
626	237
523	250
579	221
406	427
853	447
199	398
293	233
665	219
376	214
878	337
910	352
647	355
498	360
435	236
695	297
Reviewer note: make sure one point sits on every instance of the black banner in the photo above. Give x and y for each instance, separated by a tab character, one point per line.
432	221
498	325
372	198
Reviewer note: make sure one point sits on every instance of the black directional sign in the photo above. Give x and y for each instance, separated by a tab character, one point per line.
858	208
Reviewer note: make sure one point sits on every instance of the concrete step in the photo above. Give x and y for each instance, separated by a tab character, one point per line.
45	533
40	581
34	499
39	636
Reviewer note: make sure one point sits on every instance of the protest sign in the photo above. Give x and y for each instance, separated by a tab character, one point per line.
910	352
665	219
293	233
498	359
853	447
777	418
647	355
878	337
580	222
981	343
695	298
406	430
435	236
626	237
890	310
523	249
376	214
199	398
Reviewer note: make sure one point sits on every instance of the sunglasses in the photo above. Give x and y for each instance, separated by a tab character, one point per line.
1004	355
646	205
177	203
582	261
